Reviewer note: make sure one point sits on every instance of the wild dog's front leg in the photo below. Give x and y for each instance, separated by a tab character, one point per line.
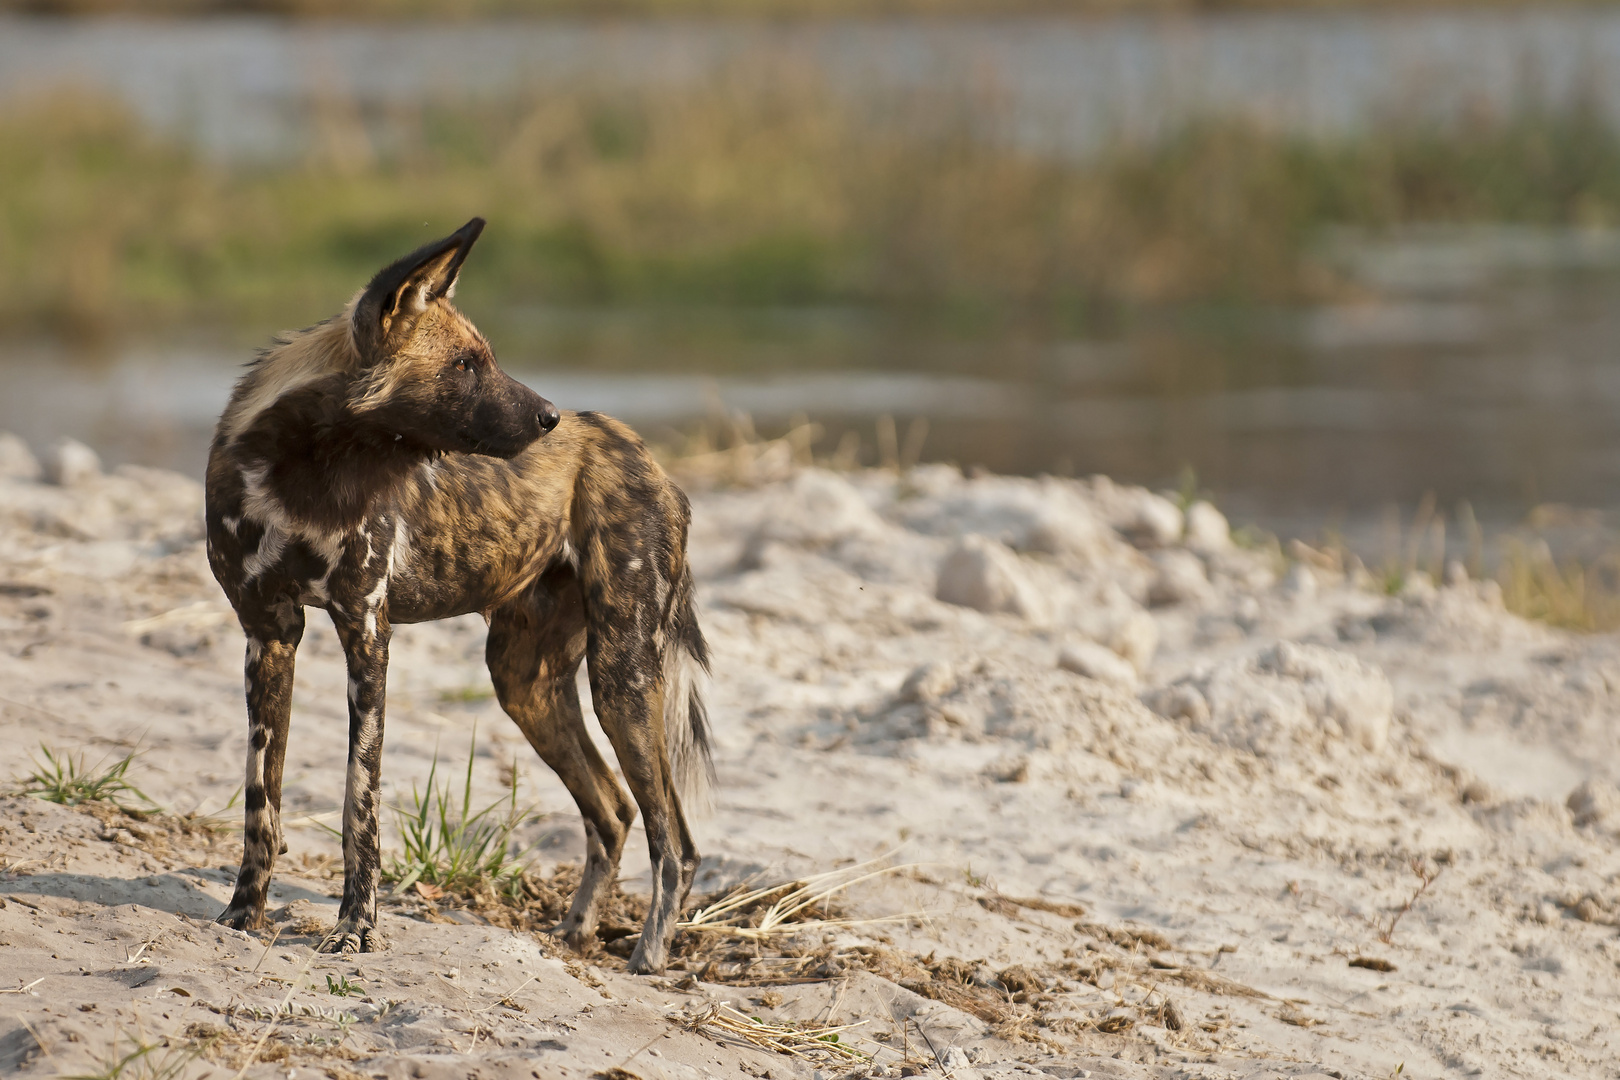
365	646
272	646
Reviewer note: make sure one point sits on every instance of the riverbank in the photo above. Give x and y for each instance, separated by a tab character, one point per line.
1167	806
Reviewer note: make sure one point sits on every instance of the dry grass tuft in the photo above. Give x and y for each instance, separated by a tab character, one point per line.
1126	937
1574	595
789	908
812	1042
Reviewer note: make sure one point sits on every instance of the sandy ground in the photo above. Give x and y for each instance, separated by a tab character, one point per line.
1169	807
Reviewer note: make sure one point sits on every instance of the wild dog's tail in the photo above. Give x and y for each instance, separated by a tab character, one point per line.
686	721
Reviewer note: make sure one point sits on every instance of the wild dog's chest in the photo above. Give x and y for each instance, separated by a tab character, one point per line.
259	553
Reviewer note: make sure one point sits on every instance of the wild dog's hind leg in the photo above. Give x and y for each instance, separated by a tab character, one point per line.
535	647
273	634
627	686
365	647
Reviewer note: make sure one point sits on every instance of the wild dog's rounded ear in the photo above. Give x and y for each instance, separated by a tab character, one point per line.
404	289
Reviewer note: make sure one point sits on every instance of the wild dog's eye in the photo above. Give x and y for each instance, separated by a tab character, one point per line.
461	363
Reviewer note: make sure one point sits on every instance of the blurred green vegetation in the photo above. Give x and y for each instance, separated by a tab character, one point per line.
767	9
748	192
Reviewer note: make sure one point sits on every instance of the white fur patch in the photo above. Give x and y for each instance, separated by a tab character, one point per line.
255	765
400	554
358	779
279	528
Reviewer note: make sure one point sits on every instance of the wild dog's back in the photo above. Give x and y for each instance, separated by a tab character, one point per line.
480	530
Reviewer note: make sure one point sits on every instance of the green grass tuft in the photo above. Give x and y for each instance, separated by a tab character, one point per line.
65	779
453	847
342	987
139	1059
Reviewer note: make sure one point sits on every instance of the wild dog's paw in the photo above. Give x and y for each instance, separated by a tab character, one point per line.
241	917
574	934
352	936
648	960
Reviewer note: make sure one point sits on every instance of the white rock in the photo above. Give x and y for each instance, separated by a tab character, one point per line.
1065	530
954	1057
1337	687
819	507
1133	789
1180	577
1112	618
1136	638
70	463
1096	662
1300	584
1052	517
928	683
1289	693
934	480
1146	519
1595	803
1180	701
1418	586
1207	531
17	462
1153	521
982	574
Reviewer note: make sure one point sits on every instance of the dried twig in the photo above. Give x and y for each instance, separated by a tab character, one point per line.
26	989
135	957
506	998
37	1040
1426	877
267	947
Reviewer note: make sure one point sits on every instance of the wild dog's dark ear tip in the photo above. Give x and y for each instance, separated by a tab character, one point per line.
469	232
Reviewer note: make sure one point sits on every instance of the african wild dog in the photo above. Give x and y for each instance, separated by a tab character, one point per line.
380	465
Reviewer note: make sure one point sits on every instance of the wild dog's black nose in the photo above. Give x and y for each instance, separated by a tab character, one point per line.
549	416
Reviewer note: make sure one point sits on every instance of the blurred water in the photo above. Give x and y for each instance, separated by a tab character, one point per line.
262	87
1506	394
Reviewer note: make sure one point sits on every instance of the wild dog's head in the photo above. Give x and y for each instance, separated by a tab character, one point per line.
426	373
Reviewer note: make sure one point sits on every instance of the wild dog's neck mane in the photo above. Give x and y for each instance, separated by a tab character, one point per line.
294	361
306	459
